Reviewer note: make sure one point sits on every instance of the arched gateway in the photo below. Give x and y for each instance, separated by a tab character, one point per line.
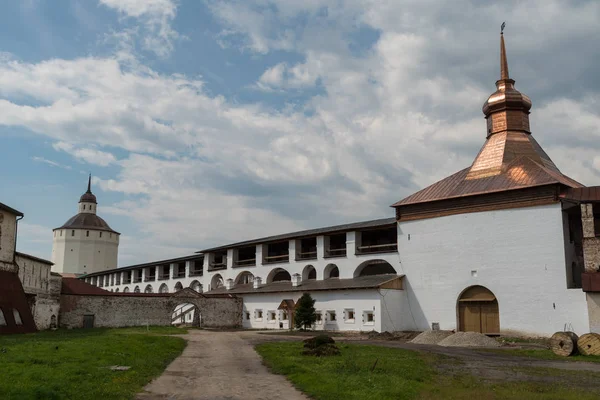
478	311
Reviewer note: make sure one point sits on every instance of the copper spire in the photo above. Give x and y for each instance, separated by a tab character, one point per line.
89	184
503	60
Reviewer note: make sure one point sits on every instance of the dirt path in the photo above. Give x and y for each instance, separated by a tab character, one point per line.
219	366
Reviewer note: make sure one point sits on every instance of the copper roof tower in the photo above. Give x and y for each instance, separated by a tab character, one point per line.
510	157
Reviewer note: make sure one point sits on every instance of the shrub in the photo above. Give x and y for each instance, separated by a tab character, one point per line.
305	314
317	341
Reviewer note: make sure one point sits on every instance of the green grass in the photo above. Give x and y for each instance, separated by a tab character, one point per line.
398	374
73	364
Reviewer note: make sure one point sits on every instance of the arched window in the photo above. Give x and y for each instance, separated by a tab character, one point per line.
309	272
374	267
148	289
197	286
178	286
244	278
216	282
126	290
278	275
136	290
163	288
2	319
331	271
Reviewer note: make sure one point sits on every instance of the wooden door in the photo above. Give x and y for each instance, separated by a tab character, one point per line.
88	321
479	316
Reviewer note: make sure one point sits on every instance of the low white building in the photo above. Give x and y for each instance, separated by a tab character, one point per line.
85	243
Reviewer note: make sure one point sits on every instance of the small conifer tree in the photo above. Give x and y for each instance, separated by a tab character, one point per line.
305	315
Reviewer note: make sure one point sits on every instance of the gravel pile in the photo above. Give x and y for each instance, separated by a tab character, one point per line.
469	339
431	337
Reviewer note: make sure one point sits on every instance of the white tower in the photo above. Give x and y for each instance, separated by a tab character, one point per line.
85	243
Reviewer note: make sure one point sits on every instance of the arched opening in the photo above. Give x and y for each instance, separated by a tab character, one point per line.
331	271
216	282
374	267
126	290
478	311
197	286
309	272
117	290
136	290
278	275
186	314
178	286
244	278
163	288
148	289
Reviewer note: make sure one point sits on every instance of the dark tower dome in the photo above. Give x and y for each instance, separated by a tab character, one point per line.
88	197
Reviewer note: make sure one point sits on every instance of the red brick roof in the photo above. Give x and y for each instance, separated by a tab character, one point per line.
77	286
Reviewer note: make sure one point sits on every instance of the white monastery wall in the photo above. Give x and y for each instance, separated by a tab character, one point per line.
73	251
518	254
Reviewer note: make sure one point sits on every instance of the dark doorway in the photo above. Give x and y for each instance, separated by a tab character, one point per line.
88	321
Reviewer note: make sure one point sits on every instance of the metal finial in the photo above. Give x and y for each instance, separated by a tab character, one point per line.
502	28
89	184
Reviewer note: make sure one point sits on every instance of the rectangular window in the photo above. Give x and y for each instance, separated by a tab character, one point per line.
87	233
331	317
284	315
247	315
60	233
100	234
349	315
73	233
272	316
319	318
259	315
368	318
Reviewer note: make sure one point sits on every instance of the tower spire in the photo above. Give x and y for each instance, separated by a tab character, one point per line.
503	60
89	184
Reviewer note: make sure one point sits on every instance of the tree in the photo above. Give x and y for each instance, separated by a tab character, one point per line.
305	315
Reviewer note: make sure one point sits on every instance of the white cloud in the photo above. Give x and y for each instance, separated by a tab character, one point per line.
50	162
91	156
200	169
156	17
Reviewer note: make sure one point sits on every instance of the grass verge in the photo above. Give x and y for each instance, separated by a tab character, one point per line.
543	354
372	372
73	364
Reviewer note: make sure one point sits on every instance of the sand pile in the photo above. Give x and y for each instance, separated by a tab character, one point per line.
469	339
431	337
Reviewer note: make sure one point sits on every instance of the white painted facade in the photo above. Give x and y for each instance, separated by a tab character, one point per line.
84	250
355	310
518	254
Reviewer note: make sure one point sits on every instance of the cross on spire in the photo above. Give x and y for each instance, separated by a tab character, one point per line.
503	60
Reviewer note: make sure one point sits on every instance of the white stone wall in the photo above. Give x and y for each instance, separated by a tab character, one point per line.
8	225
34	275
74	251
518	254
593	303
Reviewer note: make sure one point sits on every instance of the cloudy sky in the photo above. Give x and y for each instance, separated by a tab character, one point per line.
206	122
